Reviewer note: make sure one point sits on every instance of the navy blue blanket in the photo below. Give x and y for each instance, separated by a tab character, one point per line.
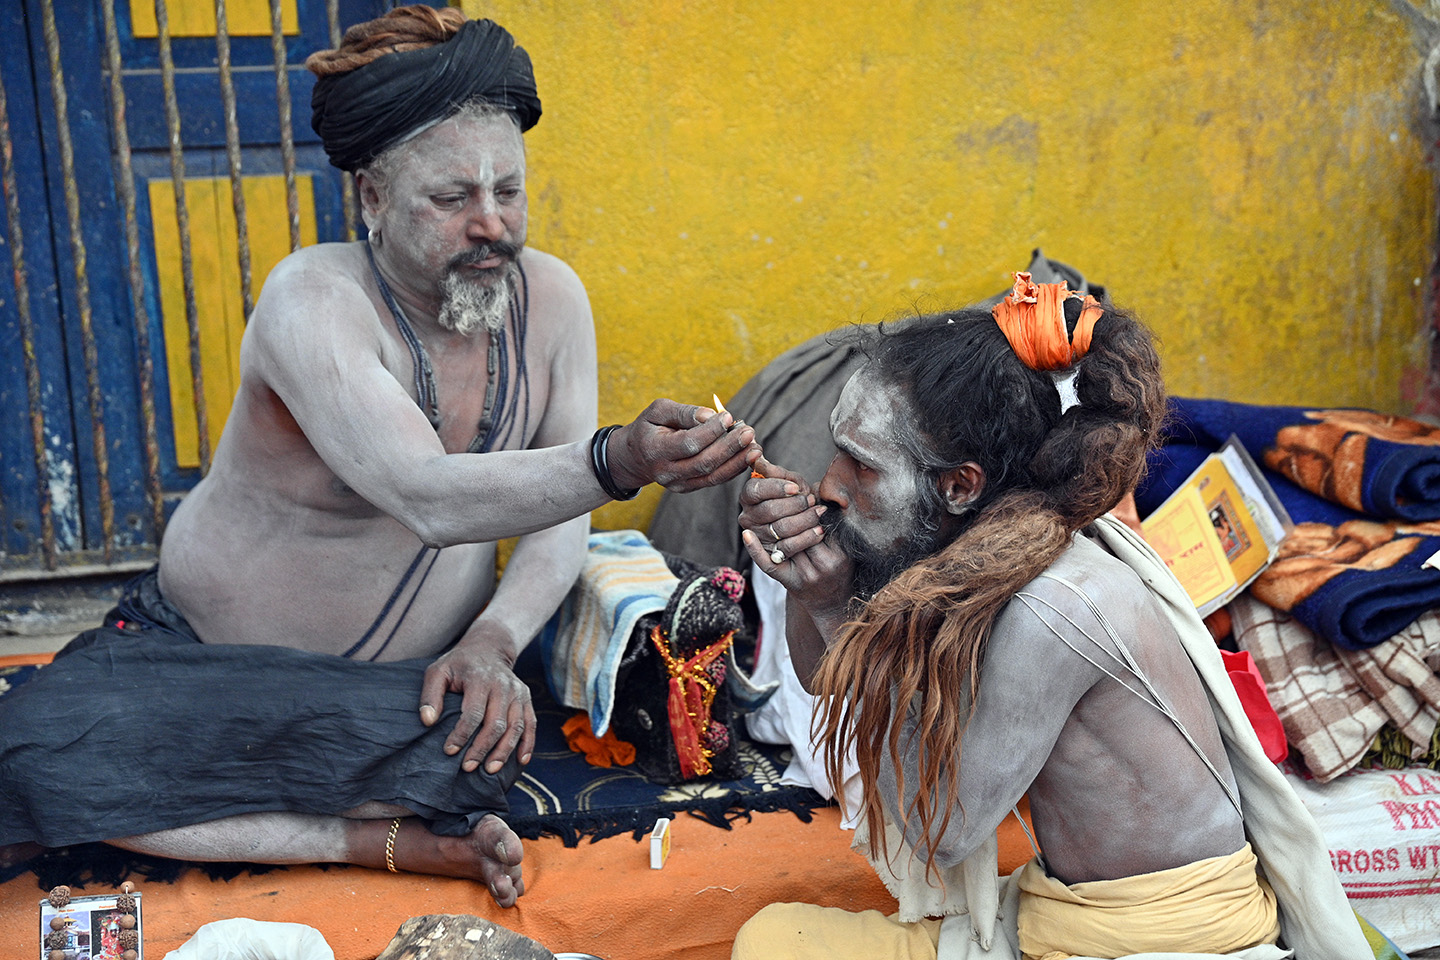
1353	577
1379	465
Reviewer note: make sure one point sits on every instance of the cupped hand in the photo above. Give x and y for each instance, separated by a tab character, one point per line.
496	715
680	446
780	523
778	506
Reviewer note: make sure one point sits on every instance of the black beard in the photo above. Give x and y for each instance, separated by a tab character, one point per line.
874	569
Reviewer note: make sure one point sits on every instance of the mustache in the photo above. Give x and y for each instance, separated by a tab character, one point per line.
840	534
503	249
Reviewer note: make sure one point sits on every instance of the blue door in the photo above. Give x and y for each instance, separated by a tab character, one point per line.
122	297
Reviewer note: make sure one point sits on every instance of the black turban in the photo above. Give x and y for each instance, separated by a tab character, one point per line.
360	113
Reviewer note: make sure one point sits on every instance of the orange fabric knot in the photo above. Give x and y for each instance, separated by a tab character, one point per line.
1032	317
603	751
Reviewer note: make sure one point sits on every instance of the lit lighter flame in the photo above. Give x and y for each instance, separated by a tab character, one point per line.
719	407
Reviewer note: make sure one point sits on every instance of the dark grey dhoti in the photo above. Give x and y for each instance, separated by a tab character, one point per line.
138	726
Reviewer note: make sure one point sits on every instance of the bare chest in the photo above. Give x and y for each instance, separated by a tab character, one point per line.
480	393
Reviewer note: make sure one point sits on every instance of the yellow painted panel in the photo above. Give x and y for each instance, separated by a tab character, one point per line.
730	177
218	302
196	18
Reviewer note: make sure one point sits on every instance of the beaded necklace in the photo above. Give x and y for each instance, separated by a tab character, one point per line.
488	432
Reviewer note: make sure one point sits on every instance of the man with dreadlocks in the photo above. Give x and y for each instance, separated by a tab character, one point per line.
977	628
325	660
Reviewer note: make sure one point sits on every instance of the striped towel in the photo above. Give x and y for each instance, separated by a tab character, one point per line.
623	579
1332	701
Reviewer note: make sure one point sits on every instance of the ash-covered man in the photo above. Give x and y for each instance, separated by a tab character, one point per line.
404	403
976	630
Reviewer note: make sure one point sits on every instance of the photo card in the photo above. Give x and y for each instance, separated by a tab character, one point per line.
90	928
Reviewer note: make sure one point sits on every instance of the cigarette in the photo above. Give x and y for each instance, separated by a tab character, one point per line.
720	408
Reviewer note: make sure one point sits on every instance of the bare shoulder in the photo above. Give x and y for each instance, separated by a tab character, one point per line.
315	285
553	283
317	295
315	270
1074	605
550	277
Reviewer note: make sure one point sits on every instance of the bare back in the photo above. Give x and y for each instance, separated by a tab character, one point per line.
1114	788
329	474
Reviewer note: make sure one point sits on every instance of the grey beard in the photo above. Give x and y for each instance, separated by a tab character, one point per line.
468	306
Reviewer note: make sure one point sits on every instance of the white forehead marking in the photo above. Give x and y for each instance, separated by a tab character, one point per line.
466	149
865	419
865	424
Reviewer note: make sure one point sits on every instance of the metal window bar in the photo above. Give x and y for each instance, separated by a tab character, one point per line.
82	280
126	187
232	155
182	220
287	135
27	329
127	192
348	200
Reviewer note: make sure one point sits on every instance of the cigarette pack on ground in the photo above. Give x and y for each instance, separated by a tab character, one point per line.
660	843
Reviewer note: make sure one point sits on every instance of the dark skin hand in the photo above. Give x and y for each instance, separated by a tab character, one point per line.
680	446
495	707
817	577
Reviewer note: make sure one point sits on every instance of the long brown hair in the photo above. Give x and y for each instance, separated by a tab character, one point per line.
920	641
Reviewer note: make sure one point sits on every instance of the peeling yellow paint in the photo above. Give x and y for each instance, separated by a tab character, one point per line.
730	178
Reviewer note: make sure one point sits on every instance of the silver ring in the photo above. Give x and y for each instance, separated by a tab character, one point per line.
777	555
773	535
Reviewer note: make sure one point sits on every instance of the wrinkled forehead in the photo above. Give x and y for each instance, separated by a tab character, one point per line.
868	417
462	142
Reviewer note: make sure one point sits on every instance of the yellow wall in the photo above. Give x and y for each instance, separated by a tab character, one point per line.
730	178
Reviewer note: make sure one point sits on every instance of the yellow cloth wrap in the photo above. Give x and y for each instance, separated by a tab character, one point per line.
1216	905
803	931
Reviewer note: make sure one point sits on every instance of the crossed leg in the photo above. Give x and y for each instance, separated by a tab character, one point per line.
491	853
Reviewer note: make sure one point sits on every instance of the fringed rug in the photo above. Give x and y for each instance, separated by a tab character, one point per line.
558	795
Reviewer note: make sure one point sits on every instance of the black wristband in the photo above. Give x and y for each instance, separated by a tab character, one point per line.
600	464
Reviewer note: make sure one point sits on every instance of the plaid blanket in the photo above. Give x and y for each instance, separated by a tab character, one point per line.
1333	702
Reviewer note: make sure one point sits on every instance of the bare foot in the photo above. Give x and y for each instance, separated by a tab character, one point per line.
17	853
490	854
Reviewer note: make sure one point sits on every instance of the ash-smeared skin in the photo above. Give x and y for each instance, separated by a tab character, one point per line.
328	471
1114	789
874	480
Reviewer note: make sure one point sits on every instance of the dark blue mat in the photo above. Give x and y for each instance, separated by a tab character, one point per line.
561	795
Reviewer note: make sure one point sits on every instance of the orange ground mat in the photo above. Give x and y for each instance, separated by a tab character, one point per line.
599	898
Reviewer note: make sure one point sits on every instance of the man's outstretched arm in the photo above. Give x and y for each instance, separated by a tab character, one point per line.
325	364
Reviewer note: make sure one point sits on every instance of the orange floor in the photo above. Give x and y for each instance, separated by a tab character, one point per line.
599	898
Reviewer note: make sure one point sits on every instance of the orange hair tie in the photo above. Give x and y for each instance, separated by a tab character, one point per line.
1032	317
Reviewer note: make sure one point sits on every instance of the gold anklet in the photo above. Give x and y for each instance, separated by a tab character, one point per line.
390	846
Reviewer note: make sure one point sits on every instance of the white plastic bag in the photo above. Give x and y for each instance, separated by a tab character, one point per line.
240	938
1383	831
